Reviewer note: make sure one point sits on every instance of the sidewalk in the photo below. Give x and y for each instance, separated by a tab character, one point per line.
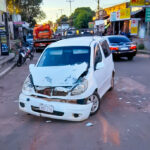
7	63
146	43
144	52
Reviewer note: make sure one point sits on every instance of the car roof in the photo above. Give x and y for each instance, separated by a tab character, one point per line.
114	36
78	41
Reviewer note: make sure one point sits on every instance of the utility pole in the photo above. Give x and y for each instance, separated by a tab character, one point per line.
70	1
61	11
98	8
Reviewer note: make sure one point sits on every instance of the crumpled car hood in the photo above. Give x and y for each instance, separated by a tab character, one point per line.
57	76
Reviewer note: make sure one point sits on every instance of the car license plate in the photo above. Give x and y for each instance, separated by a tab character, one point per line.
46	108
124	48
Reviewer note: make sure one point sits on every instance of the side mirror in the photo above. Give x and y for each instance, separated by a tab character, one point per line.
99	66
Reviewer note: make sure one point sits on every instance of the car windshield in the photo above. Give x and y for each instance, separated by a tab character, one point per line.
63	56
119	40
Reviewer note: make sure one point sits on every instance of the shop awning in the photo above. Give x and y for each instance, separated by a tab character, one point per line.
136	12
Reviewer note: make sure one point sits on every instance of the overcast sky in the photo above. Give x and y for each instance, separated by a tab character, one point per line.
52	7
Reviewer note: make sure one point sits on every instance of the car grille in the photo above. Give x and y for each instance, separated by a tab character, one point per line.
52	92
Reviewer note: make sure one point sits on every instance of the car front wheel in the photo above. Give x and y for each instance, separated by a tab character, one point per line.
112	83
96	103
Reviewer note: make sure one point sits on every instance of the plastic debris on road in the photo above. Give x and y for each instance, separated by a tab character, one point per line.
16	101
48	121
128	102
89	124
16	113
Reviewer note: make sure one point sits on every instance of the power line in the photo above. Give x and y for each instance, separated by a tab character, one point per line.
70	1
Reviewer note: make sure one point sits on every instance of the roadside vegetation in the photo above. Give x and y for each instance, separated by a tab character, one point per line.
79	18
30	10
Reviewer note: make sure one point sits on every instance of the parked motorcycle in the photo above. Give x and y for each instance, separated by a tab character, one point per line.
24	53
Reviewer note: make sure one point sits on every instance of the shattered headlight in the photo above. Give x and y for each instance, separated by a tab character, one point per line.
27	86
80	88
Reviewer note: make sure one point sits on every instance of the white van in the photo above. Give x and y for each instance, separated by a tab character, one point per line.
69	79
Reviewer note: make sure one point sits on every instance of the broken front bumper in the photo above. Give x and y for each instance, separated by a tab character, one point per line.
63	111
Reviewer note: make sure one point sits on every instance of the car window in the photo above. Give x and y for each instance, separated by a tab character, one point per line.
118	40
105	48
61	56
97	54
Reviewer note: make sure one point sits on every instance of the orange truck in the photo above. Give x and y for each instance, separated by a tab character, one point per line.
42	36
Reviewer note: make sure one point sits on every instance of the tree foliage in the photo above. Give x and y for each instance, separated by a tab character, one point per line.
62	19
29	9
81	17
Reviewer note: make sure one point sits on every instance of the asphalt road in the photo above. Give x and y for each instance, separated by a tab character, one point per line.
123	122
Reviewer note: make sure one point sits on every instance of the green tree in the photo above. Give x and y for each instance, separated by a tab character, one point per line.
29	9
62	19
81	17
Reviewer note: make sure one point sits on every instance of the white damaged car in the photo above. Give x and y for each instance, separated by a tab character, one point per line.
69	79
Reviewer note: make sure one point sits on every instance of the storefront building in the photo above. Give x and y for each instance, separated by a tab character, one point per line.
4	33
121	21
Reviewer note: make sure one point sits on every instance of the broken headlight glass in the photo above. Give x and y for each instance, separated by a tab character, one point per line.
80	88
28	86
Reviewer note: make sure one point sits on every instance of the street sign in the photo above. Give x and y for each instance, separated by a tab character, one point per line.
113	16
91	24
140	3
147	16
3	44
123	14
134	26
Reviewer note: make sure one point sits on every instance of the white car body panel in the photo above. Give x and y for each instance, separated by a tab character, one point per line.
50	76
68	109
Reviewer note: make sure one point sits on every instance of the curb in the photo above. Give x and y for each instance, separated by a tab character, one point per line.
143	52
7	59
7	70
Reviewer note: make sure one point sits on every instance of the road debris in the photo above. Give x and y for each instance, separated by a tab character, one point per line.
136	96
89	124
16	101
120	98
16	113
48	121
128	102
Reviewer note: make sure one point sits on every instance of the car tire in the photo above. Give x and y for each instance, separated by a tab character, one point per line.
112	83
95	99
130	57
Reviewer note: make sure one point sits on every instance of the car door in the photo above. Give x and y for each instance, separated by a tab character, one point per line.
99	73
108	63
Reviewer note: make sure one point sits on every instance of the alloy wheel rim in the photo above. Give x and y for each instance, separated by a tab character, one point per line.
94	99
